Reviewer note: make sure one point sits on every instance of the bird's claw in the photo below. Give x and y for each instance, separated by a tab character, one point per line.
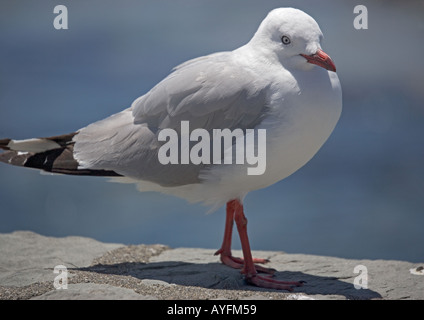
238	263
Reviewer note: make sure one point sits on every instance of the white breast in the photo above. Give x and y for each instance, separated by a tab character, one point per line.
301	123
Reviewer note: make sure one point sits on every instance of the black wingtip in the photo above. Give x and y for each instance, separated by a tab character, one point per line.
59	160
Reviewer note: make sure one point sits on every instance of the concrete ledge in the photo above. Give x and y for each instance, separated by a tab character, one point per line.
113	271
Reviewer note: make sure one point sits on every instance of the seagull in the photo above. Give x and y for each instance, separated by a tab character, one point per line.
281	82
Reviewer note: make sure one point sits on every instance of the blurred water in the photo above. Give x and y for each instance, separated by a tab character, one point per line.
360	197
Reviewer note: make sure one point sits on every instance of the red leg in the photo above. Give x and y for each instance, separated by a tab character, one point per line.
249	269
225	251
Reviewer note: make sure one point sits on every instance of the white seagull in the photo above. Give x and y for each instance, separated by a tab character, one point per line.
280	81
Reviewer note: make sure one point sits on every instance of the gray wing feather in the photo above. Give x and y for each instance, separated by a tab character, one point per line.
211	92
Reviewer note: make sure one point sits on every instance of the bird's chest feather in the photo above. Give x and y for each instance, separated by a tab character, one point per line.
304	111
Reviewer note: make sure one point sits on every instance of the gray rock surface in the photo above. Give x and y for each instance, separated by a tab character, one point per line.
97	270
26	257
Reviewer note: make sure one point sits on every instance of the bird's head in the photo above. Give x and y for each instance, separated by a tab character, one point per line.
293	38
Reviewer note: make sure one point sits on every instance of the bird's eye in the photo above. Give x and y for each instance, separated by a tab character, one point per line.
285	40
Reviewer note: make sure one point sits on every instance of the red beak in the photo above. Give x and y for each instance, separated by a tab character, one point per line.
320	58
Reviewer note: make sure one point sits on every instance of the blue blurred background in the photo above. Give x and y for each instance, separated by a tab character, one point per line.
360	197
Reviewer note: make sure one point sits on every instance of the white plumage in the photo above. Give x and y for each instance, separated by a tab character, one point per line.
263	84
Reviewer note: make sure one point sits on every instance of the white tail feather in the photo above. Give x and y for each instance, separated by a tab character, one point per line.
32	145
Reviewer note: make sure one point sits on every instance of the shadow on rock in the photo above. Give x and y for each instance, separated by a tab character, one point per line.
218	276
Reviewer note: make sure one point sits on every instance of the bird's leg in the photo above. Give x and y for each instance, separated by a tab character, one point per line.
249	269
225	251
